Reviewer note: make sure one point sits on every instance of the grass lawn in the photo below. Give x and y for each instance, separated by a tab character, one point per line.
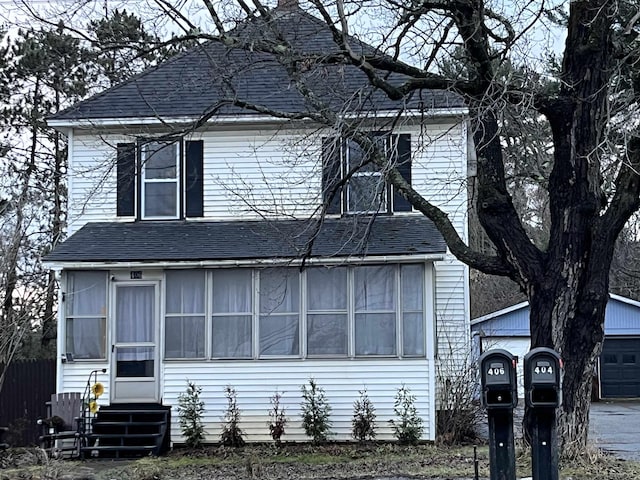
302	461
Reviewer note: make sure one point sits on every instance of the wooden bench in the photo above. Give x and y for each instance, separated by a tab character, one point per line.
3	445
61	430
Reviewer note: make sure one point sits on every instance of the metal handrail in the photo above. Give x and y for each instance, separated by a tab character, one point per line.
86	418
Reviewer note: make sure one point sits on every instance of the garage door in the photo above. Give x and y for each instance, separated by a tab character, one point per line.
620	367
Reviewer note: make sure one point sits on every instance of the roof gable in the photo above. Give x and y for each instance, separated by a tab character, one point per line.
191	84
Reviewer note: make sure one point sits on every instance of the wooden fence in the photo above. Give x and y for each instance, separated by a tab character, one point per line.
27	386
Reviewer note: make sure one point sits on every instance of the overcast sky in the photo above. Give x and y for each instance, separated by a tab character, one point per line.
532	47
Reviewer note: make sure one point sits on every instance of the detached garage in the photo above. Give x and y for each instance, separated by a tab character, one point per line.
618	374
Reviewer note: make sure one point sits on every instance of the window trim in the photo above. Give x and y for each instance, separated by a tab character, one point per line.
384	207
307	312
102	317
145	181
131	181
259	314
165	314
335	167
304	313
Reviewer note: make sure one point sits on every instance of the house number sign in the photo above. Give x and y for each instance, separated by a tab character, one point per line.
136	275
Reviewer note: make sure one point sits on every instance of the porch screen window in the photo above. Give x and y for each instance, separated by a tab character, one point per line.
412	288
375	310
327	315
232	314
279	312
185	314
160	180
85	325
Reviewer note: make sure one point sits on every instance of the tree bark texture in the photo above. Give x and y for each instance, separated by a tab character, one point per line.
567	285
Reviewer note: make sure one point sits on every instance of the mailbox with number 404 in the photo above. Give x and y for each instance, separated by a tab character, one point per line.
542	378
498	379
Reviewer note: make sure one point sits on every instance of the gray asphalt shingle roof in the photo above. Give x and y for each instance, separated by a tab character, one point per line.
243	240
191	83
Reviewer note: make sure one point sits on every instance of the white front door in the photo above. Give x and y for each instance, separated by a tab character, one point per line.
134	352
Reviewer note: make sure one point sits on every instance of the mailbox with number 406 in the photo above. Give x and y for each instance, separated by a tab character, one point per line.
498	379
542	378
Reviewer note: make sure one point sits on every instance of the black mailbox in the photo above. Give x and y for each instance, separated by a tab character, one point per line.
542	378
498	379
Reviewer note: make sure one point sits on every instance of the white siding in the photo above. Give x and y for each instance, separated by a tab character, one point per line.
276	173
256	382
92	189
453	343
255	173
439	170
251	173
439	173
75	376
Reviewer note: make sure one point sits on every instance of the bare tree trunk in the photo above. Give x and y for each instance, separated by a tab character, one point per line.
57	227
13	322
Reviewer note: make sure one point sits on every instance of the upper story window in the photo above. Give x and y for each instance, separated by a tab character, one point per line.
366	190
160	179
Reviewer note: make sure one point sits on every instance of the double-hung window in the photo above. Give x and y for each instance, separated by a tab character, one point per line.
160	179
86	311
366	191
352	183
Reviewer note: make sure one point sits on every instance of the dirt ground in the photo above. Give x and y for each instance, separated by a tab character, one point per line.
297	461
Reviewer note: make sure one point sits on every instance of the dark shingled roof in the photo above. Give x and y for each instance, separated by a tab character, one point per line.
191	83
243	240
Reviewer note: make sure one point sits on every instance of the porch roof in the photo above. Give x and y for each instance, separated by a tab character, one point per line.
181	241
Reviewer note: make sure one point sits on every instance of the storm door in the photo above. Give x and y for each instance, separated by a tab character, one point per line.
134	353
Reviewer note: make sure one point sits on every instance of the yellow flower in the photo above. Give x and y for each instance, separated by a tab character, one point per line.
97	389
93	407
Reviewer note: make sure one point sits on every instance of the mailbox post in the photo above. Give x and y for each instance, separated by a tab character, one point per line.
543	394
500	396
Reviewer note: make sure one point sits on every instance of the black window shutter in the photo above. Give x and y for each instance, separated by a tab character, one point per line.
331	174
126	179
194	184
400	204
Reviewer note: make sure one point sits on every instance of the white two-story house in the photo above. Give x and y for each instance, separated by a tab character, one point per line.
197	249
